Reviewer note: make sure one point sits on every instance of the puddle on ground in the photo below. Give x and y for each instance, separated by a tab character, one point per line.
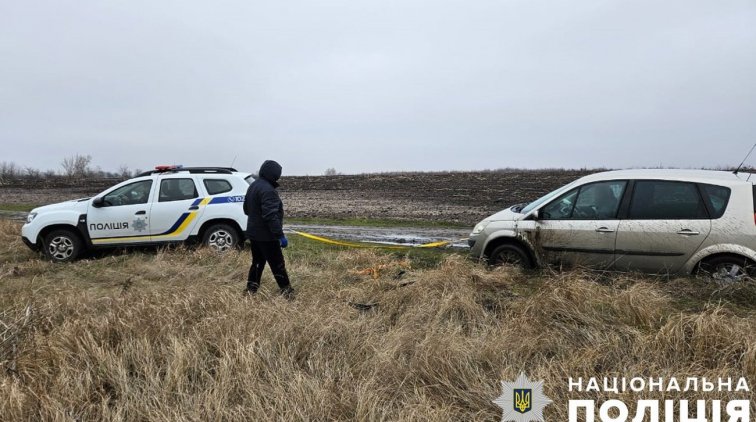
386	235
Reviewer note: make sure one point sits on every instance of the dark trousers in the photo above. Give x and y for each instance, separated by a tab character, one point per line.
267	252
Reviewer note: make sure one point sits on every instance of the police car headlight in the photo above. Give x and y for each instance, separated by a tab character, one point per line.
30	217
480	227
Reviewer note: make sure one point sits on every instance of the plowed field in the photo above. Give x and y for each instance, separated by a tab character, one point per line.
450	197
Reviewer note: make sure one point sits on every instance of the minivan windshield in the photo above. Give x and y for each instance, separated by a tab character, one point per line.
545	198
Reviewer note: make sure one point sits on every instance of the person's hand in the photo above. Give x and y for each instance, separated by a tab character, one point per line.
284	241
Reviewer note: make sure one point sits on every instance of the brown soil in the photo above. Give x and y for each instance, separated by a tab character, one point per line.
457	197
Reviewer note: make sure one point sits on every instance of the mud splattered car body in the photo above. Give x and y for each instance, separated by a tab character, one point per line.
654	221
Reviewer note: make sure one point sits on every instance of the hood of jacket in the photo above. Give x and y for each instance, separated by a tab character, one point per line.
270	171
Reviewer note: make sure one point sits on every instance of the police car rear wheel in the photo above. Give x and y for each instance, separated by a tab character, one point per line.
221	237
62	245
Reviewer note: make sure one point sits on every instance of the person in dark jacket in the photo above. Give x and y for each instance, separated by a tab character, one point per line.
265	212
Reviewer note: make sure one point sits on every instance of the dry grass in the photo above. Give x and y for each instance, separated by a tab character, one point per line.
168	336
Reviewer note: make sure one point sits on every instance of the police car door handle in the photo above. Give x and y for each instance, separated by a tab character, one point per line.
604	230
193	207
141	212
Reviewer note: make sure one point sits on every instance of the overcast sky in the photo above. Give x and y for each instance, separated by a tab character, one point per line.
365	86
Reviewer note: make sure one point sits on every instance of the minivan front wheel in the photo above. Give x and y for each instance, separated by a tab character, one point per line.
509	255
727	268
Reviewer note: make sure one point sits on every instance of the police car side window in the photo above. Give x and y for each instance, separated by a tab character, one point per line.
216	186
131	194
177	190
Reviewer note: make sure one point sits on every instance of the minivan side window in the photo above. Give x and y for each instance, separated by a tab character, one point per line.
599	201
594	201
717	198
666	200
560	208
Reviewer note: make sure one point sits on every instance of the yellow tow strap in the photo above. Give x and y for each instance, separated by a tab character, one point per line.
368	245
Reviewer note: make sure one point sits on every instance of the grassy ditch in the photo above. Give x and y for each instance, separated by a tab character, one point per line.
372	335
17	207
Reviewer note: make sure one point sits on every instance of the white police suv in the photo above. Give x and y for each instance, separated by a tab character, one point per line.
166	205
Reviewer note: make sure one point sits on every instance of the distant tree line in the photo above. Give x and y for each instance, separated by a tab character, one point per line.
331	172
79	166
76	166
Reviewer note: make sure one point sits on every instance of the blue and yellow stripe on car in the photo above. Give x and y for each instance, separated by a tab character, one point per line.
219	200
178	227
201	201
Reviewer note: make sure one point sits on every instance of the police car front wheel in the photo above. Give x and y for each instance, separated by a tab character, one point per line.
221	237
62	245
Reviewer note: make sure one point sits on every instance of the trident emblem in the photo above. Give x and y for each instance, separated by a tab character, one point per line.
522	400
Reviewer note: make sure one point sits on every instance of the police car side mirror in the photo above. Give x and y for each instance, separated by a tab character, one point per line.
98	202
535	215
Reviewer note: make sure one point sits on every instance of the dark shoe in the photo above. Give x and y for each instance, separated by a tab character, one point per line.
288	293
251	287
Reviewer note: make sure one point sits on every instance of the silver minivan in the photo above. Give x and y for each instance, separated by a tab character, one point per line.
655	221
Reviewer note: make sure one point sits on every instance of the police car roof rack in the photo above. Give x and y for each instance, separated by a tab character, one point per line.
174	169
220	170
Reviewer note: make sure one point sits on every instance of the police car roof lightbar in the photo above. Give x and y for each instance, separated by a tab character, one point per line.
172	169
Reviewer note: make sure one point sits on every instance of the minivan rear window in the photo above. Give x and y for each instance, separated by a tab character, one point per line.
716	198
666	200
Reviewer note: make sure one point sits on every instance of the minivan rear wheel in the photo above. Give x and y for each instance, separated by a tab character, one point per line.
509	255
727	268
